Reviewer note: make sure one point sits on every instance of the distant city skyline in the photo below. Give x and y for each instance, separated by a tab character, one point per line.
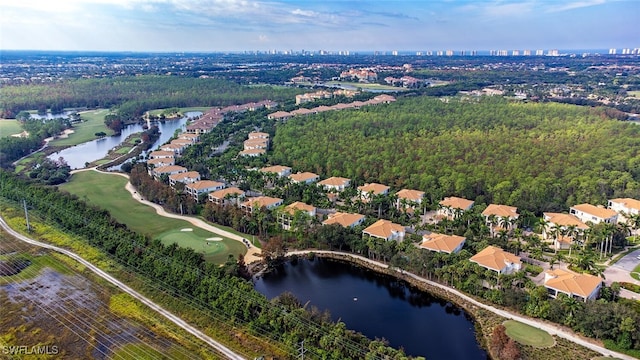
296	25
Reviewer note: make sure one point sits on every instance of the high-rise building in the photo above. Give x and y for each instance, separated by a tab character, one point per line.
612	51
539	52
526	52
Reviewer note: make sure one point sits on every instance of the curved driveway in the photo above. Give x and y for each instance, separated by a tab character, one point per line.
157	308
550	328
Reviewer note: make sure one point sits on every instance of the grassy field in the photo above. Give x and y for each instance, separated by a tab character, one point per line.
528	335
85	131
9	127
108	192
635	94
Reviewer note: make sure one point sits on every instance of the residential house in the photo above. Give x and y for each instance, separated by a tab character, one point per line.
344	219
595	214
260	202
500	217
253	152
367	190
167	170
160	162
186	178
452	206
625	207
385	229
194	138
304	177
301	111
442	243
409	199
287	214
498	260
200	127
557	225
228	196
258	135
581	287
279	115
181	142
175	148
277	169
202	187
159	154
335	183
384	98
252	144
322	108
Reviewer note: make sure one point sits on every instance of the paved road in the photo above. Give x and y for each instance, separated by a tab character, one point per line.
620	271
228	353
550	328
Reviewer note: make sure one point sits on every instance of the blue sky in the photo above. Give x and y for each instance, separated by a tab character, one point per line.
355	25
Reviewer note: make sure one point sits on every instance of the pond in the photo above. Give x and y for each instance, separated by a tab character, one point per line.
378	306
77	156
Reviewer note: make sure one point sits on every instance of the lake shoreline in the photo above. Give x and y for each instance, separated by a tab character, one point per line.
483	321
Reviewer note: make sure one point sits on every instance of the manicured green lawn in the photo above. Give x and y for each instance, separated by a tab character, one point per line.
86	130
528	335
9	127
636	272
215	248
108	192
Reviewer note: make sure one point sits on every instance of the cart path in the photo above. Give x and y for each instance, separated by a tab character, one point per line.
252	255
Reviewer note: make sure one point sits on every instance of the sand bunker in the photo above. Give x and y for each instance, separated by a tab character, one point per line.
214	239
186	229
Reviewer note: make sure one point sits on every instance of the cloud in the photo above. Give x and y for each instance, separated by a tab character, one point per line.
574	5
499	9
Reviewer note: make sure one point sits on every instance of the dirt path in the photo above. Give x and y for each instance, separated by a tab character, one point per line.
253	254
550	328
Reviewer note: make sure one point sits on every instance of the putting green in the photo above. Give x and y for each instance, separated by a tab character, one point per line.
214	248
528	335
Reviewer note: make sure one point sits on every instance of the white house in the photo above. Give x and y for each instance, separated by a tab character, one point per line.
498	260
625	207
335	183
202	187
442	243
582	287
595	214
385	229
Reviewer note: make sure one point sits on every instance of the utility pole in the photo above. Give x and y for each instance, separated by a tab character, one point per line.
26	214
301	350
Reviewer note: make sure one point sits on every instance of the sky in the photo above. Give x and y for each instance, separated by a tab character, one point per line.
332	25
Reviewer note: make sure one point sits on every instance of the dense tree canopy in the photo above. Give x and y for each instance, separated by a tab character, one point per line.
135	95
537	157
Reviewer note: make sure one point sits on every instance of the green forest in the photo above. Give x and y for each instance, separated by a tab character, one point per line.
134	95
538	157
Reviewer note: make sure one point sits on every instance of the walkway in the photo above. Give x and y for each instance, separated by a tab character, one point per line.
120	285
550	328
253	254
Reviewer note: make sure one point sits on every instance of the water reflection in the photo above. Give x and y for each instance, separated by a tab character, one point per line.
77	156
378	306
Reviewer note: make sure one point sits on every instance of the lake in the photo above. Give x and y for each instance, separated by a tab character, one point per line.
378	306
77	156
